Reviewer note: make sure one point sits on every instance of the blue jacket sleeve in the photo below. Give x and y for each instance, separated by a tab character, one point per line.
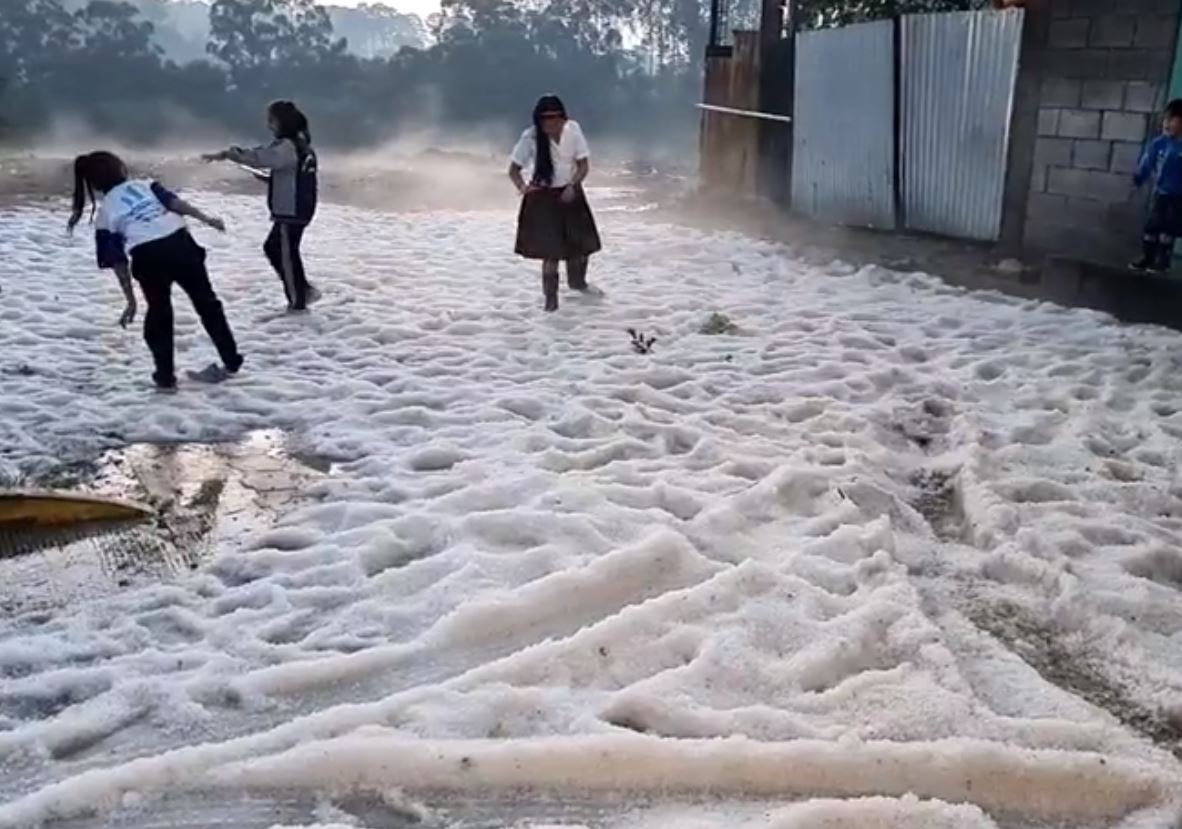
1148	160
108	248
165	196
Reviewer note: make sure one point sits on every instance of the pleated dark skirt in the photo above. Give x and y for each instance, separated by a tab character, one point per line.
549	228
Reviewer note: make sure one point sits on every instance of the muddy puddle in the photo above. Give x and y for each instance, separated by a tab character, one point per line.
206	497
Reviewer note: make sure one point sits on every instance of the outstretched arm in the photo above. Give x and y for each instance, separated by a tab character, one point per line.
183	208
177	205
277	156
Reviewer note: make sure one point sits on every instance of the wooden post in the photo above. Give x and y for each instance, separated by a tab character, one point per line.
777	61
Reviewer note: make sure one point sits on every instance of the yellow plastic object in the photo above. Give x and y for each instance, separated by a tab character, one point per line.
24	509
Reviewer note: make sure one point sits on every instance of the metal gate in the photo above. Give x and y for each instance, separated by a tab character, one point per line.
958	72
843	162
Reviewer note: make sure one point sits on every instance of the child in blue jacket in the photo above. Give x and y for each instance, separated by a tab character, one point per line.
1162	162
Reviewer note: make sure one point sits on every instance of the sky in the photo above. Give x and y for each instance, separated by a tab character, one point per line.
419	7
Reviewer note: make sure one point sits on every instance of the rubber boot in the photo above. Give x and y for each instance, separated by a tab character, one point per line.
576	273
1149	255
550	290
1165	255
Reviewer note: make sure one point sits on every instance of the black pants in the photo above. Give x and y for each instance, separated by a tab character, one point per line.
283	250
156	266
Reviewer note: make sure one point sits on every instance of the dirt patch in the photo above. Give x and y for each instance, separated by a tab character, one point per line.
939	502
1040	647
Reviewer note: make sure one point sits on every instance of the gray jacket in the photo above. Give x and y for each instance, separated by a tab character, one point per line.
292	183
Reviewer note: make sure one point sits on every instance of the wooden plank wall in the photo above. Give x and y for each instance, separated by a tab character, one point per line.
729	157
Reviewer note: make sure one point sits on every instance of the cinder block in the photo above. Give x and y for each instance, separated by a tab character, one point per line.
1122	126
1081	63
1086	8
1113	32
1143	97
1125	157
1138	64
1061	92
1044	207
1102	95
1053	151
1071	33
1079	123
1085	211
1091	155
1155	32
1089	184
1048	122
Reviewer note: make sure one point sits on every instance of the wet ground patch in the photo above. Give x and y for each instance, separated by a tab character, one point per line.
204	496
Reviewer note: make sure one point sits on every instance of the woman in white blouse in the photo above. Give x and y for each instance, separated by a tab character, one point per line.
555	222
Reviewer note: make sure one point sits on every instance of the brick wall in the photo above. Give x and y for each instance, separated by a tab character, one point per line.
1101	69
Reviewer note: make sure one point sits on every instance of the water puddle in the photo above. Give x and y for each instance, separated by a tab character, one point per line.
207	497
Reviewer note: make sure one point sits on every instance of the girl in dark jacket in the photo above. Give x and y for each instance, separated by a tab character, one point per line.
292	187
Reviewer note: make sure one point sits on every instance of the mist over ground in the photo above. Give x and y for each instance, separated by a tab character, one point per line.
132	75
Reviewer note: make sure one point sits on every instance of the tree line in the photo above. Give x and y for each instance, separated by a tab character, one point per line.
630	68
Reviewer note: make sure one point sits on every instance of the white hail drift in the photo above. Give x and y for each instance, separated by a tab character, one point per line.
820	561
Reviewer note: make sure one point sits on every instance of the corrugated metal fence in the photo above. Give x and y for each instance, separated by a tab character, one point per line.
957	87
944	100
843	163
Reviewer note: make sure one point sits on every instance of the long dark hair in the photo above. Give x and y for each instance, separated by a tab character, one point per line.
98	171
293	124
543	162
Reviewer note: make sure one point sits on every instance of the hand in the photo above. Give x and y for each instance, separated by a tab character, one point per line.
128	314
569	193
216	223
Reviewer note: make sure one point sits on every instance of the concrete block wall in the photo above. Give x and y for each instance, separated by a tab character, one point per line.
1097	78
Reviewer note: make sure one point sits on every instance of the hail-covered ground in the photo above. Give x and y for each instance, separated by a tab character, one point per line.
877	554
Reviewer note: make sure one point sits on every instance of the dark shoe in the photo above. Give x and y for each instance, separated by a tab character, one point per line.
210	375
551	302
313	295
1143	264
167	385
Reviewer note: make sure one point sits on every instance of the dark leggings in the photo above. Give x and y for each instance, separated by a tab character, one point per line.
283	250
156	266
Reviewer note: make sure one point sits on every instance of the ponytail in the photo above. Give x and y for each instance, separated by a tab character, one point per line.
293	124
82	190
543	161
97	171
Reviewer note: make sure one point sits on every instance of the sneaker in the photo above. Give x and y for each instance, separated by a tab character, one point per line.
166	389
551	302
1141	264
210	375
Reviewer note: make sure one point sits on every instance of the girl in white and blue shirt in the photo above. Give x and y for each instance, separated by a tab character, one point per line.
140	219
